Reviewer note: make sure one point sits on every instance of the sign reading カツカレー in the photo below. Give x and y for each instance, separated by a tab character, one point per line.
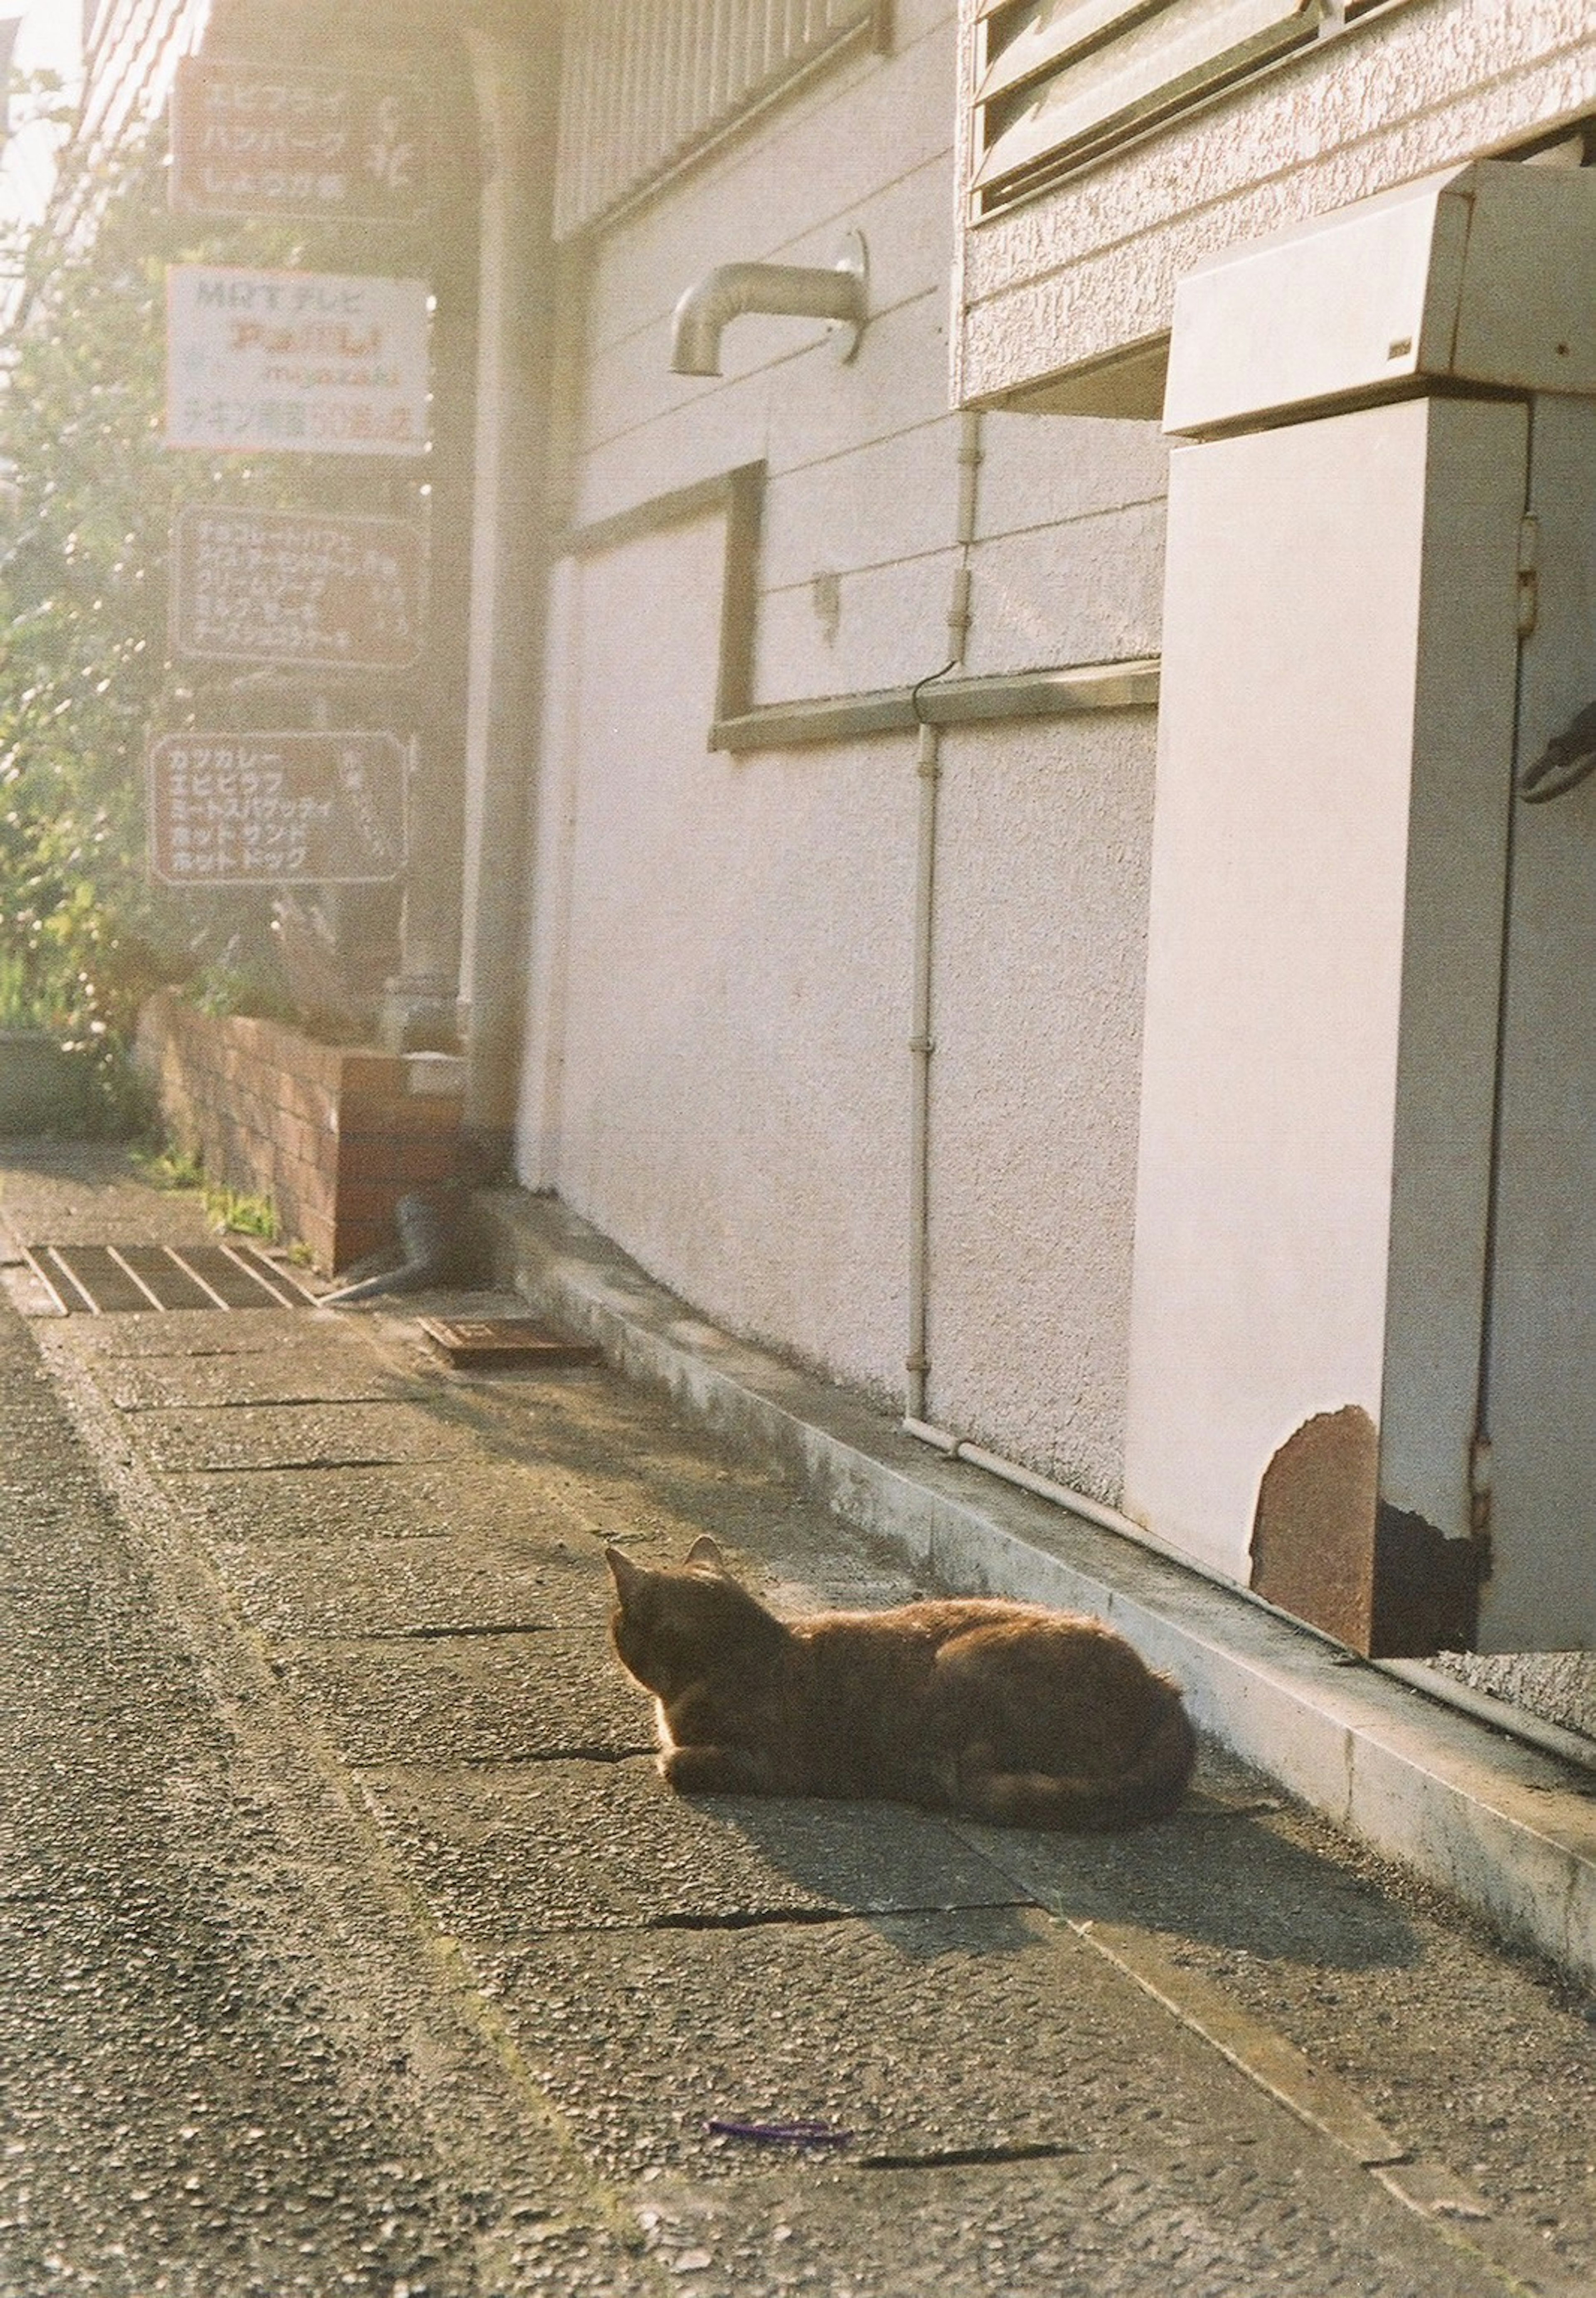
276	809
307	362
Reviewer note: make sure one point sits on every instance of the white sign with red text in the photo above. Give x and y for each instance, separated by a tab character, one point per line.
295	362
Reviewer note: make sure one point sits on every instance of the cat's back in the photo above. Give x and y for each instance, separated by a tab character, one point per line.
918	1631
1024	1675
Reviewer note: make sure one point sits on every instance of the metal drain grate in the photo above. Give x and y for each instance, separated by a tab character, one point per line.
492	1342
109	1280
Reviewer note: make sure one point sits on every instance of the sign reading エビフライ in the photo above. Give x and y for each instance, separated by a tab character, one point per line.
276	809
253	139
308	362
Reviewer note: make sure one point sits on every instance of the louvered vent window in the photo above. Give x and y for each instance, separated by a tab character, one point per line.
645	84
1061	83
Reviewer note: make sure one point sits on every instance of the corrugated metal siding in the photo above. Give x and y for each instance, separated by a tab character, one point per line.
647	84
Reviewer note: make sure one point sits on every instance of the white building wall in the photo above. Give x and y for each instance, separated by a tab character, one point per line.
1045	840
723	969
718	1073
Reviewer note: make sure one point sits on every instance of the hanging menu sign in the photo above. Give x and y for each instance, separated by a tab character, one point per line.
297	587
276	809
308	362
254	139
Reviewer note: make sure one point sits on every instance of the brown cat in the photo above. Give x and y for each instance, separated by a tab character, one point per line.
1006	1712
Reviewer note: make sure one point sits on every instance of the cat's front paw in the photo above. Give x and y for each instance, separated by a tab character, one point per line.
710	1770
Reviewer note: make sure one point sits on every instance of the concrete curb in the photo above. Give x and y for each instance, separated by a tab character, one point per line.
1512	1831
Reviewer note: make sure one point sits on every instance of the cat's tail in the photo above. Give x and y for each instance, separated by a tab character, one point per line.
1149	1788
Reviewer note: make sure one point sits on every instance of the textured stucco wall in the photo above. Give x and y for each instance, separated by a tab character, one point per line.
1040	927
725	1009
719	1074
1086	271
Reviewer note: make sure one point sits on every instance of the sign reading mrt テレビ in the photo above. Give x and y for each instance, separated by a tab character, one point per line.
253	139
296	362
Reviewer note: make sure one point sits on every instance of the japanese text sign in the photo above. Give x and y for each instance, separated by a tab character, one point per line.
297	587
309	362
276	809
255	139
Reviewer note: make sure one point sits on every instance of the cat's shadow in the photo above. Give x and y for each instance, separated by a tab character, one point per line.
882	1863
1218	1874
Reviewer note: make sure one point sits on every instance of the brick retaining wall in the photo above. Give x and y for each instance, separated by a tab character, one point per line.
334	1135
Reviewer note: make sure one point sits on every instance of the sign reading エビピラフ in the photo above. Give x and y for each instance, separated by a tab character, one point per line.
307	362
276	809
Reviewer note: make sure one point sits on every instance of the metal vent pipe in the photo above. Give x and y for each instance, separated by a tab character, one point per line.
778	290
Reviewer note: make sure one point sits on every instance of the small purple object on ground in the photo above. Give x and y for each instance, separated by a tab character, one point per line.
781	2134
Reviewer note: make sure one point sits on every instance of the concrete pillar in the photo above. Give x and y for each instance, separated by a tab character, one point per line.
517	85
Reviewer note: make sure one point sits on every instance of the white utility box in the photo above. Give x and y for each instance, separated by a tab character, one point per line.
1486	276
1363	1322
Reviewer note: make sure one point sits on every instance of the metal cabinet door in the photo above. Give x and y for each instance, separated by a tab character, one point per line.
1540	1391
1324	968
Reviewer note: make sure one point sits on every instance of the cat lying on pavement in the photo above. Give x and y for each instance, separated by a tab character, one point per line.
1005	1712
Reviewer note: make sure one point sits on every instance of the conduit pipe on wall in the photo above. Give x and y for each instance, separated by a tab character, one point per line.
1446	1691
922	1043
1082	1504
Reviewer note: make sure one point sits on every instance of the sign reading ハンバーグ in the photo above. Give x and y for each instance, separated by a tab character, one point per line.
297	587
309	362
254	139
276	809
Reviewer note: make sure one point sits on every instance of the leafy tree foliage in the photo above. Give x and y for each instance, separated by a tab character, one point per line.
87	495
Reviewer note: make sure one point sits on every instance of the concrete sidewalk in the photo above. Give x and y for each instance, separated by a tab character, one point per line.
1509	1827
1231	2054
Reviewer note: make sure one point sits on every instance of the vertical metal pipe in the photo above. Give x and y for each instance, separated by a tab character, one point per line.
517	94
927	767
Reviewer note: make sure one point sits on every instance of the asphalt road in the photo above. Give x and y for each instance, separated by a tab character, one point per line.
349	1942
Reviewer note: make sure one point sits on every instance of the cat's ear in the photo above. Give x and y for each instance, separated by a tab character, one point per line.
706	1553
627	1575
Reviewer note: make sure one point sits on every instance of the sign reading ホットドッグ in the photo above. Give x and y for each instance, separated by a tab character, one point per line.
257	139
295	362
290	809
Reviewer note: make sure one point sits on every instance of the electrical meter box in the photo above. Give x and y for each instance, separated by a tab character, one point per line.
1485	276
1362	1364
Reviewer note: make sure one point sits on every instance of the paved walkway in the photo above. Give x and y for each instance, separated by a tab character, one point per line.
349	1940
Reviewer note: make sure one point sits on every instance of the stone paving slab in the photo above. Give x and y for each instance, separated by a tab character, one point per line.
87	1192
1371	1986
399	1500
1212	1875
1205	2224
980	2034
510	1852
468	1699
312	1371
290	1436
381	1586
156	1337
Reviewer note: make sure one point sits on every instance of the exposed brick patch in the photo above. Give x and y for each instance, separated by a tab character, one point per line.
333	1134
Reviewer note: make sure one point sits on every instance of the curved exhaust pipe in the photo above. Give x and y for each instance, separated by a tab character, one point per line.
790	291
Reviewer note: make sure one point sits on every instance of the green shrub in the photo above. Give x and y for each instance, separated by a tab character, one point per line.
87	494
